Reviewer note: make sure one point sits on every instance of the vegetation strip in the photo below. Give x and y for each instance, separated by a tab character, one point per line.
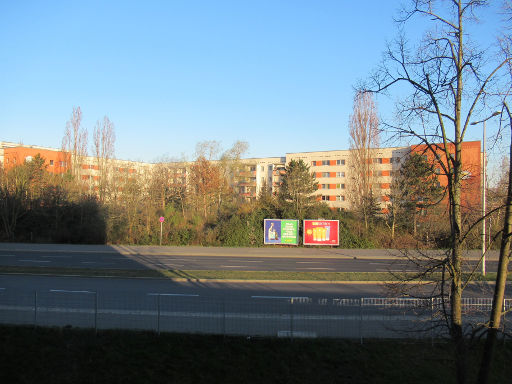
68	355
222	275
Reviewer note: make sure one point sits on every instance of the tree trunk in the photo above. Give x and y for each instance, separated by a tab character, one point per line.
501	280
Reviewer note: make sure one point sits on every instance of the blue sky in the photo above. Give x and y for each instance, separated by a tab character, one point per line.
278	74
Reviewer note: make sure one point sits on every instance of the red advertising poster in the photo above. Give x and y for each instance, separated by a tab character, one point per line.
321	232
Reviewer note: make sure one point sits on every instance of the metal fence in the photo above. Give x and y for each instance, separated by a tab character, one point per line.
360	318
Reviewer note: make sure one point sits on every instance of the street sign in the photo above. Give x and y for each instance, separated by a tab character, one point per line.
161	219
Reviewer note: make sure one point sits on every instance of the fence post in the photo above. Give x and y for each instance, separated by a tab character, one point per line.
432	321
224	316
361	320
504	311
96	311
35	308
158	314
291	318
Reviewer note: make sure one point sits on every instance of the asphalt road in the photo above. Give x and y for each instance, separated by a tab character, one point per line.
198	258
121	289
247	308
273	309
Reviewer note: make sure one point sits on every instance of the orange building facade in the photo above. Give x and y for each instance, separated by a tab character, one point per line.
56	161
471	197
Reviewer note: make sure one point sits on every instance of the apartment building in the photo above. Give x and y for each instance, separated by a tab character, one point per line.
12	154
472	160
332	170
258	174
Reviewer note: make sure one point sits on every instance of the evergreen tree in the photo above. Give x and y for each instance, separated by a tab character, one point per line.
297	188
413	191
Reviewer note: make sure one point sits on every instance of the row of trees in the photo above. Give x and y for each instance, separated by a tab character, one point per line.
205	209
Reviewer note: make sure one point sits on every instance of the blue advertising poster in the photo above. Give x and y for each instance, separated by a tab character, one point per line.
272	231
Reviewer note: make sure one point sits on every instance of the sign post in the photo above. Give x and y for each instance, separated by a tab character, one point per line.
162	219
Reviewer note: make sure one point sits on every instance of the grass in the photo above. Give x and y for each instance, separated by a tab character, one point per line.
65	355
220	274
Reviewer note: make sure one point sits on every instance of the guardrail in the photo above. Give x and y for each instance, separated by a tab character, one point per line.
282	316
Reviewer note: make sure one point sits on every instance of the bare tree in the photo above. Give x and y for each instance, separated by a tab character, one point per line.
364	141
75	142
493	326
206	182
232	166
208	149
448	83
104	149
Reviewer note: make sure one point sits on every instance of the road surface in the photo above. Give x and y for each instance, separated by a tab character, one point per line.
214	258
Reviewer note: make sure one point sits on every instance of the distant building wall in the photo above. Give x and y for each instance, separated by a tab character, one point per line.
331	170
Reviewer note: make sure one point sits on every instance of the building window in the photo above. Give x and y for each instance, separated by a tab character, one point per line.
325	174
325	198
378	160
340	186
28	159
325	162
340	174
51	162
325	186
340	162
340	198
313	163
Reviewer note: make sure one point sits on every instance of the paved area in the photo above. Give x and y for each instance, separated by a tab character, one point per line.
217	258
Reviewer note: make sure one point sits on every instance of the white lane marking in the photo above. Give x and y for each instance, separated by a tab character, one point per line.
248	261
210	315
173	294
234	266
94	262
309	262
69	291
56	257
36	261
279	297
7	255
174	265
315	269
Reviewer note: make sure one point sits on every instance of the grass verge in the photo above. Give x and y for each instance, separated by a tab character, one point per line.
222	275
66	355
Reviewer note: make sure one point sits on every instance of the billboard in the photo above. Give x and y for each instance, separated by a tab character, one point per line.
321	232
278	231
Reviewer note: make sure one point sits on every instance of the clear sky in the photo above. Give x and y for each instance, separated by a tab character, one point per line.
278	74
